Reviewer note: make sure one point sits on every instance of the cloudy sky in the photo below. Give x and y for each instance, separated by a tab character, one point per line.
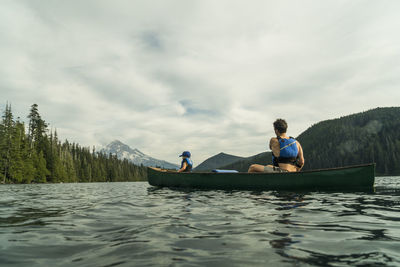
206	76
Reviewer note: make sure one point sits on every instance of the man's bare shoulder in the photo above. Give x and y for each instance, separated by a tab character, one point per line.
274	139
273	142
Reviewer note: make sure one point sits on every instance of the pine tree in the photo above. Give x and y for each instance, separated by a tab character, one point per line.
6	143
41	171
37	133
3	151
24	153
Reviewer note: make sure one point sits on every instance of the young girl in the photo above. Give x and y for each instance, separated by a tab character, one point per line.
187	164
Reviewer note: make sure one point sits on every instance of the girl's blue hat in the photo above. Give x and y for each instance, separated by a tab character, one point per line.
185	154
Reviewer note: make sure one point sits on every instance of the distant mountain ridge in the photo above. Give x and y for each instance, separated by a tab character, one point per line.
263	158
135	156
370	136
216	161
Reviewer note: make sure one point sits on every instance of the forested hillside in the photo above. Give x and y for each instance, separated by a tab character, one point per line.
39	156
371	136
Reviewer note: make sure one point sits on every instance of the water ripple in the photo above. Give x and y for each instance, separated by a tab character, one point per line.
125	224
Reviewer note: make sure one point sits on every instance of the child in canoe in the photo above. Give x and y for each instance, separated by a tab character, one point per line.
187	164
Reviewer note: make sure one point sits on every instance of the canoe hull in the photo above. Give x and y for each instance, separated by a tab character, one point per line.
353	177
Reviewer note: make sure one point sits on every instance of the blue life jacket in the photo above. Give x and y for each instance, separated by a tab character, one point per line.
189	165
288	151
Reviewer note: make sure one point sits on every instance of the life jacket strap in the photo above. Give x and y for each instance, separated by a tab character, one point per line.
288	145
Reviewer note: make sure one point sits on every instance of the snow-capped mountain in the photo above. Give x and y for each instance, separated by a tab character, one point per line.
134	155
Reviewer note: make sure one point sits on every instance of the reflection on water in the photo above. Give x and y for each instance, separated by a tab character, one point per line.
126	224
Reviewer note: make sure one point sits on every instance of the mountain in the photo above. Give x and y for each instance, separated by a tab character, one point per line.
243	165
370	136
135	156
216	161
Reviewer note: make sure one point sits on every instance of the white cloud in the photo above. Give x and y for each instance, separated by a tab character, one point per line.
207	76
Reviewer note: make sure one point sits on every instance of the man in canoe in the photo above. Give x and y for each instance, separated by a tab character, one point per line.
287	153
186	164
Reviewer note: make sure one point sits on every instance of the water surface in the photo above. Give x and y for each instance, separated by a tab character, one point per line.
134	224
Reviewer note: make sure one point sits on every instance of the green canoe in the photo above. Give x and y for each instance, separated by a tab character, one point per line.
345	178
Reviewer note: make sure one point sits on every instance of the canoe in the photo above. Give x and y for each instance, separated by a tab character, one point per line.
344	178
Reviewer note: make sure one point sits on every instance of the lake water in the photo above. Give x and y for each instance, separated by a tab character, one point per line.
134	224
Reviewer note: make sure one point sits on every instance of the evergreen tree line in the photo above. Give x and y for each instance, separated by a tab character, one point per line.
38	156
368	137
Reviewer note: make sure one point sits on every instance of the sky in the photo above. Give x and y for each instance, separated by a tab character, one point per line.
205	76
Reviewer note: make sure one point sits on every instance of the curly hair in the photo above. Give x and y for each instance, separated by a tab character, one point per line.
280	125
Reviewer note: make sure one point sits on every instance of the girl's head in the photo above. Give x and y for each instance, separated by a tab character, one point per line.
185	154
